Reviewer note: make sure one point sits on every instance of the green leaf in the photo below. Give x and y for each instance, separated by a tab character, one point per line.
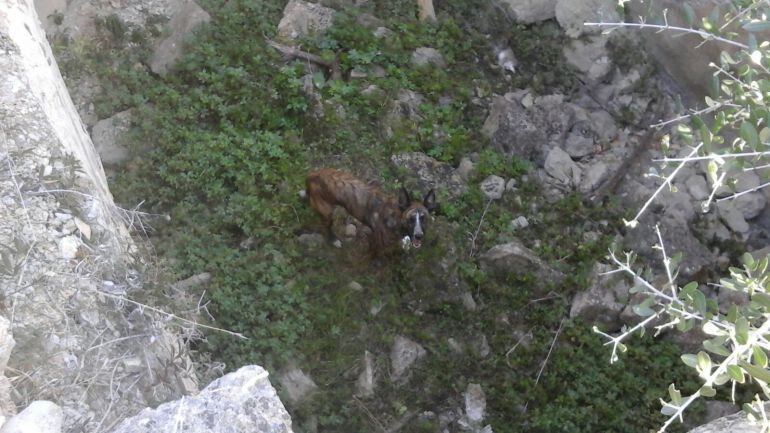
736	373
747	259
707	391
712	329
757	26
755	372
742	330
712	170
763	299
721	379
759	357
749	133
675	394
668	409
690	360
715	348
703	364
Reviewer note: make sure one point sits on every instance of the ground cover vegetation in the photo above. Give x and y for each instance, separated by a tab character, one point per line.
224	142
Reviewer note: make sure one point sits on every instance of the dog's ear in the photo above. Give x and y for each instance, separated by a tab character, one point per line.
429	201
403	199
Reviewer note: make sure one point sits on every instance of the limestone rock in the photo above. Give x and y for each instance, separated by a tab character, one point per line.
571	15
403	355
423	56
511	129
39	417
237	402
107	135
513	257
600	303
732	217
430	173
581	140
493	187
590	57
298	385
6	342
735	423
750	205
530	11
184	19
475	403
365	382
301	18
560	166
697	187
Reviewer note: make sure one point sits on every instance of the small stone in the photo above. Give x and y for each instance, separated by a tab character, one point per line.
455	346
510	185
750	205
520	222
311	240
424	56
493	187
480	346
403	355
697	187
365	383
355	286
732	217
68	247
382	32
351	230
465	168
475	404
468	302
297	384
560	166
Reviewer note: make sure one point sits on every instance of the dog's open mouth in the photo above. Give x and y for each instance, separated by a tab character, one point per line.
416	243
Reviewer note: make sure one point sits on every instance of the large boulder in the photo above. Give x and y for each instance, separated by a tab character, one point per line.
511	128
107	135
430	173
513	257
572	14
530	11
242	401
184	18
39	417
403	355
735	423
301	18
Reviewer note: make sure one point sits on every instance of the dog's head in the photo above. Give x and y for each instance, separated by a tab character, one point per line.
415	215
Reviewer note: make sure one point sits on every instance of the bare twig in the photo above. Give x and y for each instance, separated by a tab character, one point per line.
550	350
478	228
705	35
295	53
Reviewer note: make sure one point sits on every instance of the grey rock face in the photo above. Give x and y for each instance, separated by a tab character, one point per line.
514	257
590	57
39	417
106	136
428	56
403	355
511	129
302	18
560	166
530	11
242	401
600	303
430	173
735	423
571	15
183	20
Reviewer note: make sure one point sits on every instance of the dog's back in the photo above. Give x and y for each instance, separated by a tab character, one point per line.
327	187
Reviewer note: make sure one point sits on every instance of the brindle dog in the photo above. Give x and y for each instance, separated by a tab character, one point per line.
389	218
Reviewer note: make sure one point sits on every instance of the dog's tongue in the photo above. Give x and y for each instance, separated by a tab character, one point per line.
416	243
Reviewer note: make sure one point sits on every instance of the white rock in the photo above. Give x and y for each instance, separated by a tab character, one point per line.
560	166
365	383
6	342
520	222
493	187
39	417
297	384
68	247
403	355
475	403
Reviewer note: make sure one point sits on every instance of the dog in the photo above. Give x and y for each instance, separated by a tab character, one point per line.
388	218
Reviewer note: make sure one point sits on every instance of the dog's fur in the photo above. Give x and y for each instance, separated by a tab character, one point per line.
389	218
